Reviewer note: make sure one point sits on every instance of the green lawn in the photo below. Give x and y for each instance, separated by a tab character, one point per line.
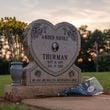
103	77
13	107
4	80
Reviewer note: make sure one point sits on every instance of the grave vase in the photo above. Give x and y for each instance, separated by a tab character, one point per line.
16	71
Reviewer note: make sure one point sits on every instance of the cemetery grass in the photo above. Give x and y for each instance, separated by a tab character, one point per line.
13	107
103	78
4	80
4	104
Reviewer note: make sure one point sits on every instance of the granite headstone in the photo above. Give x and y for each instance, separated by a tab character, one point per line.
52	50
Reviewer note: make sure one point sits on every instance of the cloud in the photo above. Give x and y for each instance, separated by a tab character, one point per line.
29	3
74	11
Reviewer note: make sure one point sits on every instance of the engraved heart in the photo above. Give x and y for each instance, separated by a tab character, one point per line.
54	48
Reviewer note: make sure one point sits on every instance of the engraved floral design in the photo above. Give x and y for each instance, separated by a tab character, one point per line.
71	32
37	30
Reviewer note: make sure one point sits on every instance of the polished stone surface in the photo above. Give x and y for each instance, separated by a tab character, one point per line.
52	50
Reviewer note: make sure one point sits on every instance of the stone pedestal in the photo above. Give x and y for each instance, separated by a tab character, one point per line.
18	93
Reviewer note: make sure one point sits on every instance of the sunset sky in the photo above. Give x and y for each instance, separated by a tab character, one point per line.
94	13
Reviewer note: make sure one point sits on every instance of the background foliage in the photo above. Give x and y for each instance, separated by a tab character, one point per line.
94	53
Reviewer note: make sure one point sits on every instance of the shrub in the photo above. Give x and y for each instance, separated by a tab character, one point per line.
104	62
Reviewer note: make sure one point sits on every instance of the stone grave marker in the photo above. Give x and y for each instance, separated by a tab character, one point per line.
52	50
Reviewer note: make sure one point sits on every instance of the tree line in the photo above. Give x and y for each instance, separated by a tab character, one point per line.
94	54
95	50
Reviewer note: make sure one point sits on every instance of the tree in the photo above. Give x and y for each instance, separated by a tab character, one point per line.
85	60
11	31
104	62
93	46
96	36
107	40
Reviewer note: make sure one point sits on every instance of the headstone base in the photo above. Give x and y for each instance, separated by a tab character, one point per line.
18	93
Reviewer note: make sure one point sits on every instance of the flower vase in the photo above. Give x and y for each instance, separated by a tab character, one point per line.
16	71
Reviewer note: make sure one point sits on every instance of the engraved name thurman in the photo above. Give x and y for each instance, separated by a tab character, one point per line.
53	48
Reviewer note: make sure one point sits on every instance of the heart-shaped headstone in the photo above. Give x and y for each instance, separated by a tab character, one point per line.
53	47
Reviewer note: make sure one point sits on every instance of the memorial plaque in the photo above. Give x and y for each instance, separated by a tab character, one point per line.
52	50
